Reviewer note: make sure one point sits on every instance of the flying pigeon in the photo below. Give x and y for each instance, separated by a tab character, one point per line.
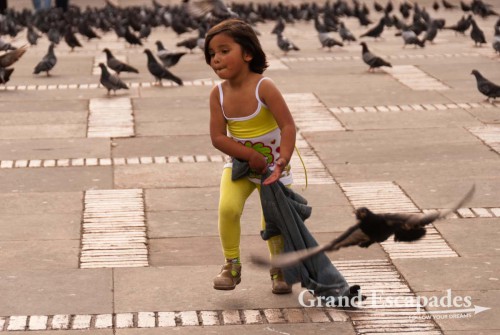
110	81
117	65
10	57
486	87
159	71
370	228
47	63
372	60
200	8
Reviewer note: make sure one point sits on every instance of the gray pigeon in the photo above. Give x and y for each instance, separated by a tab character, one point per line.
345	33
409	37
486	87
32	35
372	60
159	71
168	58
48	62
286	45
110	81
328	41
370	228
117	65
496	40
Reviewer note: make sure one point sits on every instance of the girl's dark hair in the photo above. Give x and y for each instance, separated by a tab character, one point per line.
245	36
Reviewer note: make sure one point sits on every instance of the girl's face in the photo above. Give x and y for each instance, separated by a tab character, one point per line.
227	58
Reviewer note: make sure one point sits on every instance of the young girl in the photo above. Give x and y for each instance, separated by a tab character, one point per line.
249	120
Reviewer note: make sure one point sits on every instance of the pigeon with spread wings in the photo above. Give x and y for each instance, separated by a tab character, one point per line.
200	8
369	229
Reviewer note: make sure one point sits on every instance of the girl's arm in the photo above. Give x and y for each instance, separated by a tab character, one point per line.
271	96
220	140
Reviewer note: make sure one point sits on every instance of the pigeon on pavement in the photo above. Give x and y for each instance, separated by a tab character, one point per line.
370	228
346	34
496	40
168	58
47	63
159	71
110	81
376	31
409	37
328	41
117	65
462	25
372	60
71	39
286	45
477	34
486	87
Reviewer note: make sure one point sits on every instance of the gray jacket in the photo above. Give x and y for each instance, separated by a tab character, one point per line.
285	212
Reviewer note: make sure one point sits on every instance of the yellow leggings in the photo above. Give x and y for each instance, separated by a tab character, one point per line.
233	195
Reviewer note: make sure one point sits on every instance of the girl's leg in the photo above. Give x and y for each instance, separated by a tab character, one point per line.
233	195
276	245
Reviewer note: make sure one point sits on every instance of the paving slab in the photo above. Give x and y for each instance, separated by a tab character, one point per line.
167	175
442	274
49	292
40	255
51	148
55	179
41	226
41	203
164	145
468	321
467	237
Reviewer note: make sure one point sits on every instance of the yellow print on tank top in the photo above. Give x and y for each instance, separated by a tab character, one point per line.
261	148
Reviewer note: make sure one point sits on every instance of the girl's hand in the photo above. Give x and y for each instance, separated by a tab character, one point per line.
258	163
278	169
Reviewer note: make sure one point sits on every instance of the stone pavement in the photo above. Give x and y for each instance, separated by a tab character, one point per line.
108	204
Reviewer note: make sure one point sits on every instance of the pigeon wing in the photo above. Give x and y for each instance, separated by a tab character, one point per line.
352	236
199	8
412	220
9	58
